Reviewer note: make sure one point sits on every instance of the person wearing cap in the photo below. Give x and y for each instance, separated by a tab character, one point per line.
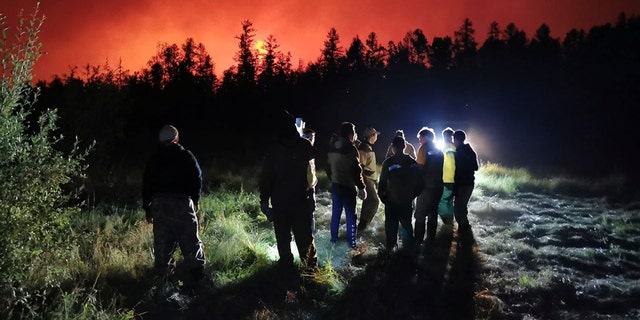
285	184
431	159
369	165
171	188
408	149
347	182
400	183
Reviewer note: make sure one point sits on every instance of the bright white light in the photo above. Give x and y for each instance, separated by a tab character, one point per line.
439	144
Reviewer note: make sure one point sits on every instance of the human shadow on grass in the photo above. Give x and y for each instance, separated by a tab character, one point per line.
437	283
271	293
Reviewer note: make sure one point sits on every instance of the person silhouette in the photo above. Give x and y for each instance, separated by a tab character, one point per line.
466	166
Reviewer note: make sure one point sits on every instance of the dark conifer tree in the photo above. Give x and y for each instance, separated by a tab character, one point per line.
419	47
574	46
441	54
267	67
516	47
465	46
375	54
355	58
332	55
246	57
493	51
543	48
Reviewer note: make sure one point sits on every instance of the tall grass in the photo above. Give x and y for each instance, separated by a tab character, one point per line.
111	245
495	178
236	237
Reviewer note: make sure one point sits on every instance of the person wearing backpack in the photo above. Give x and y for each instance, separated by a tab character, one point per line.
400	182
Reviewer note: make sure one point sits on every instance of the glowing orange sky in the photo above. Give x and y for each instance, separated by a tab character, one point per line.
77	32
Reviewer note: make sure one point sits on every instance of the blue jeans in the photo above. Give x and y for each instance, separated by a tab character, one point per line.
343	197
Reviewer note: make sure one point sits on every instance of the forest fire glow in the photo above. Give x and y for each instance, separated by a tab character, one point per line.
77	34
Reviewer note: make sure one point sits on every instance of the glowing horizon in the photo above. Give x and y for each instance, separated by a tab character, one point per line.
77	34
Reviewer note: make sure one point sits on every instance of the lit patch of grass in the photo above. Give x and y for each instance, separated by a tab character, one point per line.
526	281
100	244
627	227
496	178
492	177
120	245
235	249
619	224
535	280
235	245
328	276
228	202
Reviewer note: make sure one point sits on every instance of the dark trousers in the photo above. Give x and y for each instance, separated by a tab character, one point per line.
297	221
370	204
460	204
398	213
427	207
175	223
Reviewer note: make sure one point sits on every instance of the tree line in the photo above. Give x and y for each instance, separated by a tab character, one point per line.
543	100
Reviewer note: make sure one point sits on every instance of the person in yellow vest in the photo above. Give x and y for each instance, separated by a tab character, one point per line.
445	207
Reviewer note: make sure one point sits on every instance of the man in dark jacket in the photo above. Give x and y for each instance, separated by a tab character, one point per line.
171	188
400	182
431	159
347	182
285	182
466	165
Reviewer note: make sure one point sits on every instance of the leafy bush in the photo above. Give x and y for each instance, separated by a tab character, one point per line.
34	210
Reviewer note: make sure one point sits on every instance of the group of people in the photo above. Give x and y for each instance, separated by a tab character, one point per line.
422	184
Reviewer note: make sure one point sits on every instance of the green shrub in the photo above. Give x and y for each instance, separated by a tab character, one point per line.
34	210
